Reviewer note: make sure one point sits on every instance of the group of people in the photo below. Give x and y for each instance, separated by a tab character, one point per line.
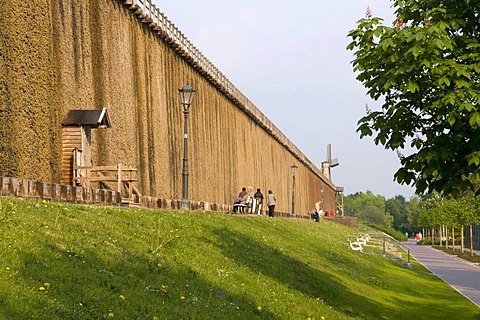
329	214
318	212
247	193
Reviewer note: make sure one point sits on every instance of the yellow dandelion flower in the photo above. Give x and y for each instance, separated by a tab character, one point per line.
111	315
7	268
122	297
42	288
323	318
155	318
259	308
44	201
47	285
182	297
309	318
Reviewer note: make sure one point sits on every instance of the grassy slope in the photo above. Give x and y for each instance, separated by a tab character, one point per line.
140	264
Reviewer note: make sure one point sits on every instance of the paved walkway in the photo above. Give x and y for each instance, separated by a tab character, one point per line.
462	275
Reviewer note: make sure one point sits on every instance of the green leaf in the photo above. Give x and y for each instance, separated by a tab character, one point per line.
412	86
416	51
443	80
463	72
468	106
451	119
474	158
439	43
474	120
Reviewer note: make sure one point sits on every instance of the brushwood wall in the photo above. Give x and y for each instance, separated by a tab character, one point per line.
59	55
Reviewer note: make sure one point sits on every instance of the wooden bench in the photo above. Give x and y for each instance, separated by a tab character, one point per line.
243	207
239	207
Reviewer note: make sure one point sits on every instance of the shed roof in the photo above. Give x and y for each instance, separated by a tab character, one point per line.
94	118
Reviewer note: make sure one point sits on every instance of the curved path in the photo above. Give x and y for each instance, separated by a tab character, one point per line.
462	275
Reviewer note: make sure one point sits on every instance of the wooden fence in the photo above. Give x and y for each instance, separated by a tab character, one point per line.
122	175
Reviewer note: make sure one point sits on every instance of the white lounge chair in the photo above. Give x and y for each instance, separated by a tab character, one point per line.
362	241
355	246
244	207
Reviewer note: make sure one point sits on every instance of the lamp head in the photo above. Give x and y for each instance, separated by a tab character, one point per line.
186	95
294	168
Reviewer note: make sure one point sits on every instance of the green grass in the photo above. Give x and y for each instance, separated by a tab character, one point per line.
61	261
457	252
397	235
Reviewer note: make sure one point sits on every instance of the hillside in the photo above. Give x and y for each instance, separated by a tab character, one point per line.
63	261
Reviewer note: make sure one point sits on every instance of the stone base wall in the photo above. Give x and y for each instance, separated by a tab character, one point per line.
347	221
25	188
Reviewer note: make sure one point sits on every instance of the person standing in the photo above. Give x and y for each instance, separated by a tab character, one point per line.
258	196
271	200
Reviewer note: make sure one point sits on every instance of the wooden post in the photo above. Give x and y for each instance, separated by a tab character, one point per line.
119	178
74	175
130	182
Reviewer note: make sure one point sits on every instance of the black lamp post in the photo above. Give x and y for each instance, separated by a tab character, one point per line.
294	171
186	96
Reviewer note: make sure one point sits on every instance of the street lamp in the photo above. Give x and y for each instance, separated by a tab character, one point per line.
294	171
186	96
322	190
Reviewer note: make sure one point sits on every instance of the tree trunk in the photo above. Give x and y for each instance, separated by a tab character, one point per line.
440	235
445	233
471	240
453	238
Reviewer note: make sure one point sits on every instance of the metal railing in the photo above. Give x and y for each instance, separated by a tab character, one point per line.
387	242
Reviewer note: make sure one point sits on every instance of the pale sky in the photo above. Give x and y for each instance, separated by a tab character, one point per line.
289	58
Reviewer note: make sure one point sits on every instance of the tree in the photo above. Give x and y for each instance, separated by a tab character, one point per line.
413	211
372	214
426	71
430	212
397	208
356	202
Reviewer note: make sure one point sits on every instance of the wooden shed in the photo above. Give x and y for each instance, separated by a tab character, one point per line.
77	138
